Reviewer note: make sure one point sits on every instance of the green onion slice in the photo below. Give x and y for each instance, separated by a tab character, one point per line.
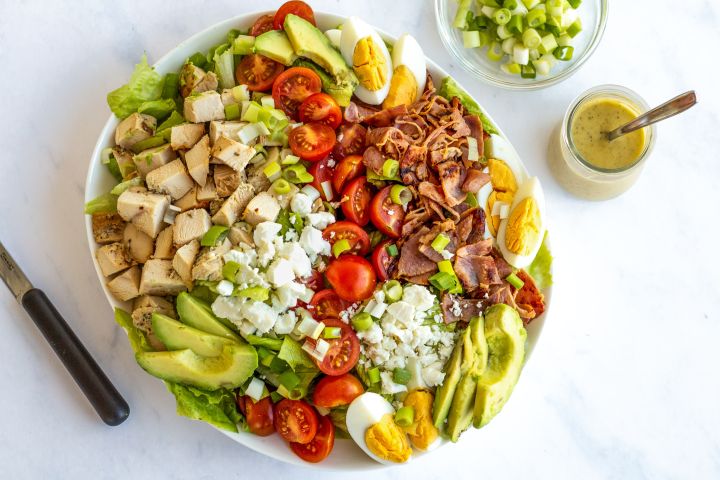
332	332
214	236
400	194
392	250
405	416
515	281
281	186
390	168
362	321
229	270
401	376
340	247
393	291
440	242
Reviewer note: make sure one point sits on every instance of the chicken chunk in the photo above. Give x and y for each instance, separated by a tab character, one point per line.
234	205
204	107
138	244
158	304
188	201
198	160
186	135
172	178
228	129
124	159
126	286
208	265
135	128
183	261
195	80
240	233
164	247
262	208
152	158
257	178
227	180
207	192
146	210
190	225
231	153
159	278
107	227
112	258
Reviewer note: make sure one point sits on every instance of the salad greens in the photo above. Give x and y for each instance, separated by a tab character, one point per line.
449	89
145	85
539	269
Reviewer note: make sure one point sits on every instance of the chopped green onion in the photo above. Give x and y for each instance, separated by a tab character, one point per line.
232	111
515	281
213	236
511	68
529	4
171	85
121	187
528	71
564	40
554	7
502	32
243	45
574	28
440	242
374	375
521	55
340	247
251	131
508	44
267	101
574	3
297	174
401	376
471	38
495	52
275	397
535	17
489	10
290	160
241	93
446	266
390	168
272	171
289	379
563	53
510	4
471	200
251	112
281	186
443	281
267	361
547	43
259	294
332	332
515	25
362	321
375	238
405	416
392	250
230	270
393	291
531	38
502	16
460	20
542	67
400	194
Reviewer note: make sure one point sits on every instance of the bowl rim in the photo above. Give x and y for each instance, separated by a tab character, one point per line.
511	85
273	446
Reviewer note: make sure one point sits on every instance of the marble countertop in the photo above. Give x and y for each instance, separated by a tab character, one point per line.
624	381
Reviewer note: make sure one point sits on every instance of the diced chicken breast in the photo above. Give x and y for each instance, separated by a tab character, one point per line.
159	278
228	97
234	205
164	247
152	158
190	225
228	129
238	234
257	178
186	135
198	160
171	178
124	159
134	128
204	107
138	244
208	265
112	258
126	286
226	179
158	304
207	192
194	80
183	261
188	201
146	210
262	208
233	154
107	227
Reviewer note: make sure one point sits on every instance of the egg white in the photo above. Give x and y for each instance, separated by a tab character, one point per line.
407	51
353	31
499	148
530	188
482	196
334	36
364	412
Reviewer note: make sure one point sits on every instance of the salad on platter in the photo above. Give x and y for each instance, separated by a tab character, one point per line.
314	238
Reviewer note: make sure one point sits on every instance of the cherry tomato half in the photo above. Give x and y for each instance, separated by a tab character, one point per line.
262	25
386	215
320	446
343	353
355	201
311	141
349	168
259	415
301	9
314	282
327	304
292	87
344	230
381	259
295	420
331	392
352	277
257	72
321	108
322	173
351	140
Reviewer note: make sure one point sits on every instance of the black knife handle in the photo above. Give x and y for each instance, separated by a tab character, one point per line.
105	399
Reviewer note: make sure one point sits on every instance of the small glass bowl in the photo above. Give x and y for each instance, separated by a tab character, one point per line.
593	14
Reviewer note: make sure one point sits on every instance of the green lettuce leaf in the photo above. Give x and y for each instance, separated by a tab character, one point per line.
145	85
106	203
338	417
449	89
158	108
137	339
274	344
293	354
216	408
539	269
173	120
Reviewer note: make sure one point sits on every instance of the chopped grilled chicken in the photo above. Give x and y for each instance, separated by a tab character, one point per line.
257	178
204	107
138	244
135	128
194	80
186	135
183	261
164	247
158	304
159	278
152	158
228	129
146	210
124	159
112	258
231	153
189	200
126	286
208	265
262	208
190	225
171	178
207	192
238	233
234	205
107	227
227	180
198	160
228	97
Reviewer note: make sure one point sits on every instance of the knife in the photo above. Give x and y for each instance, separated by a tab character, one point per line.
105	399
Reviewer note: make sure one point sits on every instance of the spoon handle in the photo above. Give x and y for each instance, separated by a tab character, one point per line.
668	109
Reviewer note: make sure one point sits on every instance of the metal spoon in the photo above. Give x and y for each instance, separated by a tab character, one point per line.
668	109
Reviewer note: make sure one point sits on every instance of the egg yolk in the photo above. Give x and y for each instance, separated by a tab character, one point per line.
505	197
523	227
370	64
422	432
502	176
403	88
387	440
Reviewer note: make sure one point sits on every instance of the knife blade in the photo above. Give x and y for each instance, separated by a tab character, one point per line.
98	389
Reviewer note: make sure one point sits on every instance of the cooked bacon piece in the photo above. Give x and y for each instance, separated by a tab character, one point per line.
476	131
423	279
413	126
413	219
483	247
386	117
474	180
460	309
373	159
389	140
447	228
452	175
356	112
529	298
412	262
504	268
476	272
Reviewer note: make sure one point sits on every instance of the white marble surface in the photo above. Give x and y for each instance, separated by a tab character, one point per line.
624	383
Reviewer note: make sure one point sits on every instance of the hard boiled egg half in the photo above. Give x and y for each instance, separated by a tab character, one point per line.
363	48
409	72
371	424
521	233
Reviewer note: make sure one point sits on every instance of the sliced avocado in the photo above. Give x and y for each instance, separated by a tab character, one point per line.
505	336
230	369
309	42
461	411
178	336
341	91
197	314
479	345
274	44
445	392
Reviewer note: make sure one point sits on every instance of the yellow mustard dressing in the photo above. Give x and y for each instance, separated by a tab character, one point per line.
588	129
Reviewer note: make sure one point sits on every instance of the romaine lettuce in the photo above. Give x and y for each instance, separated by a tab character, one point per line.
145	85
539	269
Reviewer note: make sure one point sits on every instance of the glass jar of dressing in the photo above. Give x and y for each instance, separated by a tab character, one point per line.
583	160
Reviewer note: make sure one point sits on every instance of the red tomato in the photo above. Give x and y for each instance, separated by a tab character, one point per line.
327	304
259	415
262	25
381	259
257	72
331	392
343	353
344	230
314	282
386	215
355	201
301	9
321	108
322	173
349	168
352	278
292	87
319	447
295	420
311	141
351	140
